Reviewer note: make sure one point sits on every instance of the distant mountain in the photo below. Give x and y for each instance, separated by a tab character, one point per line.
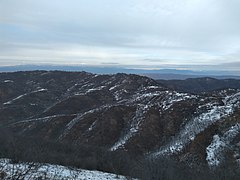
200	85
159	76
155	74
124	112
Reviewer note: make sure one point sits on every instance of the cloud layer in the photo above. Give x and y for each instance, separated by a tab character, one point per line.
191	34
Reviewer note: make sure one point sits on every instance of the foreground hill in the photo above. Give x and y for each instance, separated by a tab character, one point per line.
21	170
123	112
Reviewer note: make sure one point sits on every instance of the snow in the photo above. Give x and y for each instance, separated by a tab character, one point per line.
113	87
87	84
79	117
134	126
173	97
92	126
19	97
145	101
72	87
151	87
43	119
31	171
95	89
84	91
232	100
118	94
219	144
147	95
199	124
8	81
33	104
23	95
211	150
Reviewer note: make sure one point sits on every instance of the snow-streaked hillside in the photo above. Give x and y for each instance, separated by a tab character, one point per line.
121	112
32	171
215	113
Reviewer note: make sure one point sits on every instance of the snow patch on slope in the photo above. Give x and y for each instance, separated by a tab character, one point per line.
23	95
42	119
92	126
173	97
219	144
79	117
113	87
95	89
8	81
134	126
31	171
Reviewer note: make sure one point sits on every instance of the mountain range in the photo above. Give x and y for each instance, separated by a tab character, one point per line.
194	121
167	74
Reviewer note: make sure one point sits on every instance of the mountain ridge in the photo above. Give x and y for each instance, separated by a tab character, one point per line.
122	112
161	73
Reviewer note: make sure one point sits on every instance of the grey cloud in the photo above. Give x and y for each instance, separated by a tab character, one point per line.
137	31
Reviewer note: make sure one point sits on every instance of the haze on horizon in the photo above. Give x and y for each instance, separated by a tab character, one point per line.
187	34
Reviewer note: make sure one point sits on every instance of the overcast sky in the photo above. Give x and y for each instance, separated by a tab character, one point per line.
187	34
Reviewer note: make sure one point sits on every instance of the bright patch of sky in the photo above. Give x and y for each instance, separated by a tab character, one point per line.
190	34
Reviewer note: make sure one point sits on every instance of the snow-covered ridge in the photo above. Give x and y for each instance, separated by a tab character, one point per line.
219	144
173	97
165	99
199	124
32	171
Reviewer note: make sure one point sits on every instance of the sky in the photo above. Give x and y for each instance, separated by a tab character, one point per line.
147	34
